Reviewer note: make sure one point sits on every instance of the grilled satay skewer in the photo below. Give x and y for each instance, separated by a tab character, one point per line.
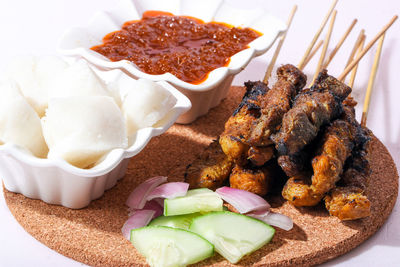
211	169
235	143
349	201
233	139
276	103
294	167
337	144
257	180
312	109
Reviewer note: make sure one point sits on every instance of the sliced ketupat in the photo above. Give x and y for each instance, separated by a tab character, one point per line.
233	235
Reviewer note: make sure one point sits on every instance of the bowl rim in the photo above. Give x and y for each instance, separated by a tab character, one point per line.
129	67
114	157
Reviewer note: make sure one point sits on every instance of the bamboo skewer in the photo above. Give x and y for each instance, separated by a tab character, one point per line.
313	52
325	47
308	51
365	50
355	47
278	48
340	43
371	81
354	71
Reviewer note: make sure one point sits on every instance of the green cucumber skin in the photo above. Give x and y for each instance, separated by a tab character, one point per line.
208	220
207	254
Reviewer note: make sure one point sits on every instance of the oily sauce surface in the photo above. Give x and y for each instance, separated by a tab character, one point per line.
184	46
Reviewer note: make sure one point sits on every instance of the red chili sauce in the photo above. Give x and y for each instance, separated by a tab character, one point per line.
186	47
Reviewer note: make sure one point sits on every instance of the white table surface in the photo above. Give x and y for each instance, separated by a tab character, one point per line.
33	27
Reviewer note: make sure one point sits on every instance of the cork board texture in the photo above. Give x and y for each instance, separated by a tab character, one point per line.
93	235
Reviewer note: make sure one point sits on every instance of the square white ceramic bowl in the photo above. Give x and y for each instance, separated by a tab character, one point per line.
58	182
78	41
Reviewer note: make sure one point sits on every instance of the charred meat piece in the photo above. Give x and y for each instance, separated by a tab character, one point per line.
258	156
276	103
297	191
349	201
252	179
211	169
337	144
311	109
293	165
237	128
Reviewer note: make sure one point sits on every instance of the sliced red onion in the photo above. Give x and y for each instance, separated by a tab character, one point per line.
169	190
139	219
151	205
242	200
160	201
137	199
274	219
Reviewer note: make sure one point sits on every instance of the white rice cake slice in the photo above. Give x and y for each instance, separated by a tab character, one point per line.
19	123
78	79
35	78
81	130
144	104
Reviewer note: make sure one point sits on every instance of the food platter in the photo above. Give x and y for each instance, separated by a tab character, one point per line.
92	235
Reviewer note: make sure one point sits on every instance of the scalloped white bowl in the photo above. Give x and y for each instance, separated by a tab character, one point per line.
55	181
78	41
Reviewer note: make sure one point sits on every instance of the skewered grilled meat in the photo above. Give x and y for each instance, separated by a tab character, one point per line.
237	128
252	133
294	165
327	166
252	179
210	169
312	109
276	103
297	191
258	156
349	201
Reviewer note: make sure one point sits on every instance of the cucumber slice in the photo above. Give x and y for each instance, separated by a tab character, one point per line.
177	221
233	235
169	247
196	200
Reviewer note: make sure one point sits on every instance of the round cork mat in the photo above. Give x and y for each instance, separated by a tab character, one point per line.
93	235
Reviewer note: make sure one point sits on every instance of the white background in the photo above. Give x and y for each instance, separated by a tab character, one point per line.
33	27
